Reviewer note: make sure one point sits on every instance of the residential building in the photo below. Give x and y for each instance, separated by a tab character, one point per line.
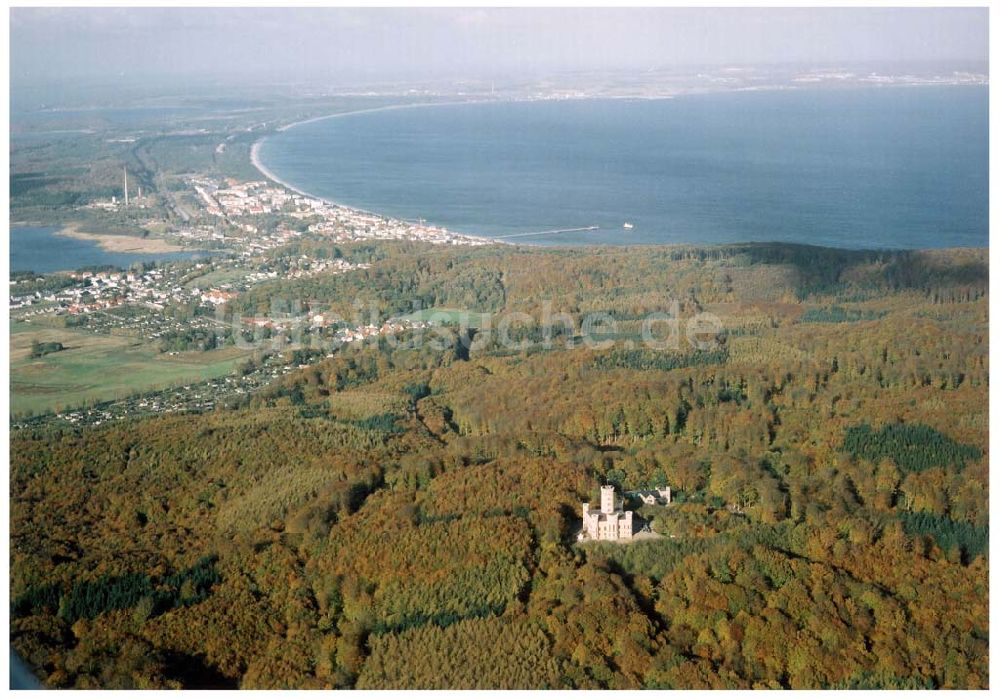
660	495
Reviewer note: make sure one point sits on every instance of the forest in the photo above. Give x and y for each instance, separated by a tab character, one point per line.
403	514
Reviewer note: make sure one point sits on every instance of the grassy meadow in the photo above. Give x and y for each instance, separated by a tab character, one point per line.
94	368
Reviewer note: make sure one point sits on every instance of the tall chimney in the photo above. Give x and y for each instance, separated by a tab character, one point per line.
125	175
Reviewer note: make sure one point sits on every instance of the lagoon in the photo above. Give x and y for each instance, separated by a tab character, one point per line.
40	249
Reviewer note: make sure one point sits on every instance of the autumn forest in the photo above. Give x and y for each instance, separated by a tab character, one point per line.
403	513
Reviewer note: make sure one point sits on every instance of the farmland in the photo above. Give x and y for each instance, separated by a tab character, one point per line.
93	368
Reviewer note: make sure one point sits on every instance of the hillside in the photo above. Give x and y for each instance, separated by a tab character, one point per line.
403	514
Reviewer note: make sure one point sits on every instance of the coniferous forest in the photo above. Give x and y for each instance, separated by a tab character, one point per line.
403	514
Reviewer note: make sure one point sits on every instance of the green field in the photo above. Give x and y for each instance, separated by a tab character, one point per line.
93	368
215	278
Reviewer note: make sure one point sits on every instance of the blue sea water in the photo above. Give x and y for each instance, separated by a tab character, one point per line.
877	167
41	250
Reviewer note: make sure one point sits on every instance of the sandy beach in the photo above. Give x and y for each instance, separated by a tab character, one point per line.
255	148
256	161
123	243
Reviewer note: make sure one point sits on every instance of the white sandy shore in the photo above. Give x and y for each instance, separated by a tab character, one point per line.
372	110
255	151
263	169
255	159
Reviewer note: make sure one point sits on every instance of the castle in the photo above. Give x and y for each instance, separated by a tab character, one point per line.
612	522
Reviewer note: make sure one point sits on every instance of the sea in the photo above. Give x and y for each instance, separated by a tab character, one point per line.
40	249
879	167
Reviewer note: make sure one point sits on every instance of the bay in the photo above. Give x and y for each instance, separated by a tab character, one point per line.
895	167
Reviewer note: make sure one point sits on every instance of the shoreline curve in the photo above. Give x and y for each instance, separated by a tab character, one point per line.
269	174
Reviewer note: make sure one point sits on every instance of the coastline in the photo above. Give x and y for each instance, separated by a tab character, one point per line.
854	244
264	170
270	175
127	244
373	110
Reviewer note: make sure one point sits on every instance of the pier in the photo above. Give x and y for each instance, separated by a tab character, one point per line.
547	232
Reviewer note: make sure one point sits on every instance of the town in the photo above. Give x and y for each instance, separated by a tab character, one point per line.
237	236
231	200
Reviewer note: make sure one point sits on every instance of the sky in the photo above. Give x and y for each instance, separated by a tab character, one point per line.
345	45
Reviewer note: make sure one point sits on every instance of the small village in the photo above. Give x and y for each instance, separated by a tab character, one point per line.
156	288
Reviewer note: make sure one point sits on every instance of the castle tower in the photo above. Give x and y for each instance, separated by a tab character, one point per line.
607	499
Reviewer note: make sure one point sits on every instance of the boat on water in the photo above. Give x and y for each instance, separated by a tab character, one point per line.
627	226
